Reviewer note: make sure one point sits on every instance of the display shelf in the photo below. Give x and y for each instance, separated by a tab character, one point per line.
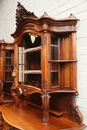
31	72
61	61
30	50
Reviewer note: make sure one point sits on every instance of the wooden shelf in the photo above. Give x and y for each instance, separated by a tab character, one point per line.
64	91
30	50
54	70
54	45
8	81
61	61
31	72
8	65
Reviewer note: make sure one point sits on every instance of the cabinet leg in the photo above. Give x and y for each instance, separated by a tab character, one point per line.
45	101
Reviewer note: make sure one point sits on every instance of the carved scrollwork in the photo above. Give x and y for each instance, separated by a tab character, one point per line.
74	110
22	13
75	115
26	91
44	38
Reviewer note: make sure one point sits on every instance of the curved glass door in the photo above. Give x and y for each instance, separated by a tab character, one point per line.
30	60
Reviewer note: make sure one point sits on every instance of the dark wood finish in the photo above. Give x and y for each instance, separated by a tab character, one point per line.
45	73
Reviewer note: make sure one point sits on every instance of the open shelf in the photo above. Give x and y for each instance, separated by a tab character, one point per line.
61	61
31	50
31	72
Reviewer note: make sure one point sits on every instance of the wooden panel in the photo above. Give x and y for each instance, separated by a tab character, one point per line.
66	48
67	75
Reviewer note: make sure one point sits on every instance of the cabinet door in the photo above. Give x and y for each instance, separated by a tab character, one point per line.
30	60
8	65
62	62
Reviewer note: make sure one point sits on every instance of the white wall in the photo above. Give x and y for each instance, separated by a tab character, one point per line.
56	9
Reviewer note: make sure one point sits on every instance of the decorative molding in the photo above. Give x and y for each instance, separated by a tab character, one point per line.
75	114
74	110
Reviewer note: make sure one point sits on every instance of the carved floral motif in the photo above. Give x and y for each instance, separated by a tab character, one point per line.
22	13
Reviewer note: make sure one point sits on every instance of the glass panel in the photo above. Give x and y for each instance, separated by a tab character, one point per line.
54	74
30	61
54	48
54	53
54	66
8	75
8	61
8	54
54	41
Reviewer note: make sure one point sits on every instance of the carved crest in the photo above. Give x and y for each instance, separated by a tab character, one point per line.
22	13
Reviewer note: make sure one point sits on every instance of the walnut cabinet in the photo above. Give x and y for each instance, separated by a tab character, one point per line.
40	68
45	63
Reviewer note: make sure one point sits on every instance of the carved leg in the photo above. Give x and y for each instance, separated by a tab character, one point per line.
45	101
75	112
15	94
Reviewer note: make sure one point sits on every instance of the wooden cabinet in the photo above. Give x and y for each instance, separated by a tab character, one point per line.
45	64
6	65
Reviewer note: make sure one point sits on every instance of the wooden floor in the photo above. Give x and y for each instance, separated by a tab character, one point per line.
30	118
